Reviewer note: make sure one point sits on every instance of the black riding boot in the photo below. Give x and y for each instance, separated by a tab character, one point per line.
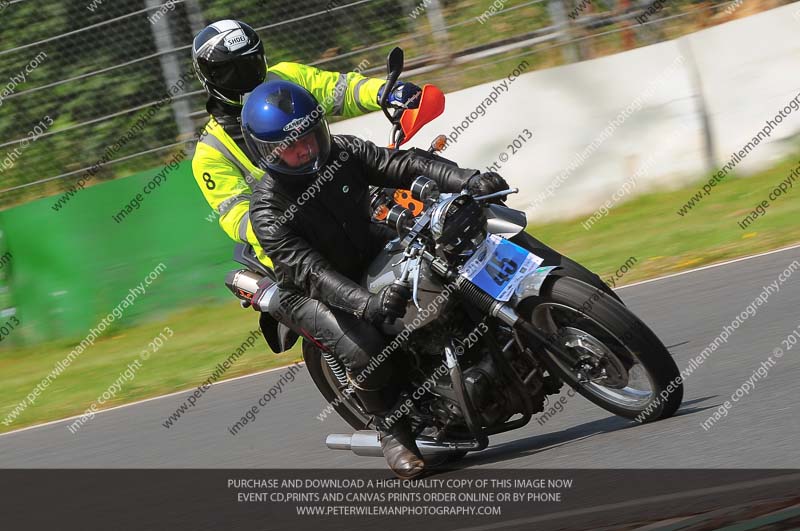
396	438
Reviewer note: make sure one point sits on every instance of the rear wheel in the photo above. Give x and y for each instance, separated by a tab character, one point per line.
339	396
610	356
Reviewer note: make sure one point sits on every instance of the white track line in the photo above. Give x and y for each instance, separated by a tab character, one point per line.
720	264
710	266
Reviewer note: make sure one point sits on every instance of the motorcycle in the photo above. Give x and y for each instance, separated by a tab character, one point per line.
498	320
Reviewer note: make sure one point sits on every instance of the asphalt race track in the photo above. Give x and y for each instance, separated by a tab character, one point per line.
687	311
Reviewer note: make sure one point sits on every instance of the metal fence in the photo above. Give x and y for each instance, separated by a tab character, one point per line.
92	90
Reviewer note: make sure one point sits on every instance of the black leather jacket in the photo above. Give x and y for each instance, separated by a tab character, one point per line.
317	231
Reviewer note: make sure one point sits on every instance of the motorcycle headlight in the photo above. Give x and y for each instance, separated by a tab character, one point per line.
458	225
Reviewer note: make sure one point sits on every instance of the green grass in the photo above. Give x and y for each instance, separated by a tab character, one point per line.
203	337
646	227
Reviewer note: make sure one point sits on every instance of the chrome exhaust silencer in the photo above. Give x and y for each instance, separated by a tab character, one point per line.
365	443
243	283
246	285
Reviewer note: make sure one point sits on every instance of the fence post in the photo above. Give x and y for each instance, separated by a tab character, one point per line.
195	15
436	21
170	68
558	14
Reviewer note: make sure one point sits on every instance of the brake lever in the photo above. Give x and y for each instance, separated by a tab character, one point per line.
495	195
403	280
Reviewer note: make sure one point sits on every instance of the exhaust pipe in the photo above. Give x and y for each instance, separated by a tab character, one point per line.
247	286
243	283
365	443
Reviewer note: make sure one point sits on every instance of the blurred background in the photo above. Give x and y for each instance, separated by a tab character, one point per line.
76	75
102	63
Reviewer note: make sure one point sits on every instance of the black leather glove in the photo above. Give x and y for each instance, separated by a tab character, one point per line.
388	303
486	183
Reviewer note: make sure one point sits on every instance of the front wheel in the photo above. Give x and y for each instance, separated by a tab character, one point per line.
609	356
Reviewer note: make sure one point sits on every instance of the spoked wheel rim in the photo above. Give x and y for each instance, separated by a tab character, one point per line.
598	360
347	399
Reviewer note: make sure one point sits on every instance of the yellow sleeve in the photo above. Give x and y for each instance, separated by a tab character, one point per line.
347	95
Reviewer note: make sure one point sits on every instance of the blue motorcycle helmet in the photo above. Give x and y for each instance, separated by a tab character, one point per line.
285	129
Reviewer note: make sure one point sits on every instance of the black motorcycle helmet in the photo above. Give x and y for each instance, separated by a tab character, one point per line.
229	60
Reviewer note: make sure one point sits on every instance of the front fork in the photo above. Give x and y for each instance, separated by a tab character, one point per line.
522	329
508	315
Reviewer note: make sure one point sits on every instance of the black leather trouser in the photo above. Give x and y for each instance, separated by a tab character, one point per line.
352	340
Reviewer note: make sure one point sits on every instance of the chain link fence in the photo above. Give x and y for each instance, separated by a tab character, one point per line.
92	90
